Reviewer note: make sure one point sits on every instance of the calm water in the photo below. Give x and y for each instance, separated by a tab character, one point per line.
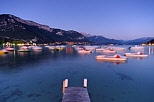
37	76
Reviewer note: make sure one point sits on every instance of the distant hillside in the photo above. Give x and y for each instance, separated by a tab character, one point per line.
103	40
15	28
152	41
139	41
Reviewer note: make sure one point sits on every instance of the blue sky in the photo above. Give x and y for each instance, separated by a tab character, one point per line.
118	19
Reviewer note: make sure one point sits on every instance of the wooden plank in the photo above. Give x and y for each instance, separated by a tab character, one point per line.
76	94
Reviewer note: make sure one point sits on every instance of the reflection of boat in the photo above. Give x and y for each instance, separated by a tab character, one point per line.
3	51
85	51
138	54
115	57
9	49
114	61
109	51
136	48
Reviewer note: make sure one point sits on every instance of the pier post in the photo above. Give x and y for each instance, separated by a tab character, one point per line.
85	83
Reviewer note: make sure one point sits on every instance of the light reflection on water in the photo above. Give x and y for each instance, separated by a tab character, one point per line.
37	76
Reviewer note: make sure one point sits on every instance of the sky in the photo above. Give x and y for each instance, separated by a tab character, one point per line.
117	19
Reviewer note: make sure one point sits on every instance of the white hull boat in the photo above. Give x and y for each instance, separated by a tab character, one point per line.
117	48
101	49
138	54
112	58
109	51
84	51
136	48
37	48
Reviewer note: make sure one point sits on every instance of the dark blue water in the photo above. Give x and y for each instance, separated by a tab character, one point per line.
37	76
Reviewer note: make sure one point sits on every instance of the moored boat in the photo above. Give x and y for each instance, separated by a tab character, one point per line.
3	51
37	48
100	49
138	54
23	49
84	51
117	48
54	49
9	49
136	48
109	51
115	57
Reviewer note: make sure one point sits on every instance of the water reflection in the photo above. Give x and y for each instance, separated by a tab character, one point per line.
69	50
115	62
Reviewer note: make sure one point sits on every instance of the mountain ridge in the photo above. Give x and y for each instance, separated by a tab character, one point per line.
16	28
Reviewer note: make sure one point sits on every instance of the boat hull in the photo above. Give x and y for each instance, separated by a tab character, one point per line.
134	55
104	57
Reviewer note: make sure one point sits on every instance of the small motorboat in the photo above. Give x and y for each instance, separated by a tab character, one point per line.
37	48
84	51
117	48
60	48
31	46
91	47
4	51
9	49
136	48
138	54
53	48
100	49
23	49
115	57
79	48
109	51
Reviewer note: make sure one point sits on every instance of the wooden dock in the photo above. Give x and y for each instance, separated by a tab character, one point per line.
75	94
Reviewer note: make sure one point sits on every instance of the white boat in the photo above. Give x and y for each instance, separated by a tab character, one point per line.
46	46
30	46
117	48
84	51
74	45
24	47
115	57
9	49
138	54
79	48
100	49
37	48
91	47
109	51
136	48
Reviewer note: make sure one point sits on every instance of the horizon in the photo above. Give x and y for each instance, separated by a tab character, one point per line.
120	20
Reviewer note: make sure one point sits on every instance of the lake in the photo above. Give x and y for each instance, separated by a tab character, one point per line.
37	76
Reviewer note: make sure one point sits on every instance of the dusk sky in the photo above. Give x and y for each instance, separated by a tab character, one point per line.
118	19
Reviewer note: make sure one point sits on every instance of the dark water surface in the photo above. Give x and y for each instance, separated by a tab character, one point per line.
37	76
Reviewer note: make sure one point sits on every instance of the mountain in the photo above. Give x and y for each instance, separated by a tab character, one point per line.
139	40
103	40
15	28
